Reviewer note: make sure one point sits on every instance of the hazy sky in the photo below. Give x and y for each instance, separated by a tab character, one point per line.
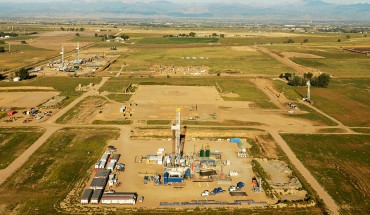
225	1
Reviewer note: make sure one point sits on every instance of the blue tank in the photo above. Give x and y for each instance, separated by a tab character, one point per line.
165	177
187	173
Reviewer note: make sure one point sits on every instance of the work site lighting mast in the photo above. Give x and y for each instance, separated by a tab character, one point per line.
309	90
78	51
62	53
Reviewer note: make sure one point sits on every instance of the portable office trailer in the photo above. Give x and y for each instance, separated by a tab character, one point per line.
96	196
86	196
115	157
102	164
98	183
104	157
119	198
102	173
111	165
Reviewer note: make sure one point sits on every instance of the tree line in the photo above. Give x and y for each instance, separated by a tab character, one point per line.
317	81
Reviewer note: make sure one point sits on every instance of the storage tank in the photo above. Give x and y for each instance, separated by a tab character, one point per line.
202	152
208	151
187	173
165	177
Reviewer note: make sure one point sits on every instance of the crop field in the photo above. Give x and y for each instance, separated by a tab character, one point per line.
347	100
27	53
218	59
244	88
340	163
50	174
14	141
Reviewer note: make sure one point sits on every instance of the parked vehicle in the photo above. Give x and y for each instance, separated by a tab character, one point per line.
205	193
232	188
109	192
240	185
217	190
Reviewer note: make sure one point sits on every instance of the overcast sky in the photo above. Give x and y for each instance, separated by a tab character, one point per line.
225	1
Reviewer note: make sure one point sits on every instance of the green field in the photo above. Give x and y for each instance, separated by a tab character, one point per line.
27	53
347	100
53	170
340	163
173	40
317	118
336	61
14	141
92	103
119	97
362	130
85	39
243	87
220	59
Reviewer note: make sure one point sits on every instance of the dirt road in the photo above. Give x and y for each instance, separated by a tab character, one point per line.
17	163
340	125
50	127
275	97
328	200
298	68
76	101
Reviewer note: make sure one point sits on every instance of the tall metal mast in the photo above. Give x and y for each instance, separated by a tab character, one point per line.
62	53
176	129
78	51
309	90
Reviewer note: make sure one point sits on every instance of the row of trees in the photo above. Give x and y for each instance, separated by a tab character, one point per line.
71	29
3	34
23	74
318	81
110	36
193	34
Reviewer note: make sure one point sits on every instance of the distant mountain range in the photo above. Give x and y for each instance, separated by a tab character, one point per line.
315	10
